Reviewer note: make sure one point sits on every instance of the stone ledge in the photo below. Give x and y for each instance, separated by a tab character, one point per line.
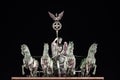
57	78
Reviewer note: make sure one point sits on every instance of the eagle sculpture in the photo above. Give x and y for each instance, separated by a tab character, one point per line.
56	17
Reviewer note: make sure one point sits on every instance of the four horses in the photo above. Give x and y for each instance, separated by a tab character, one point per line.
64	63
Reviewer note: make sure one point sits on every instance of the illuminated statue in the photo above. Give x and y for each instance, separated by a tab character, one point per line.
28	61
71	60
89	62
46	62
62	61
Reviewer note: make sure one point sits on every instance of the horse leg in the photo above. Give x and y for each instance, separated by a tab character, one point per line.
87	70
44	72
95	66
31	71
68	72
23	72
36	69
83	72
35	72
73	71
52	71
47	71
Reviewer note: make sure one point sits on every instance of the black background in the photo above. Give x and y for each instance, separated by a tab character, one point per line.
84	22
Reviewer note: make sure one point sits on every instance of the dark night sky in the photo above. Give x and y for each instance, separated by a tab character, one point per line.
83	22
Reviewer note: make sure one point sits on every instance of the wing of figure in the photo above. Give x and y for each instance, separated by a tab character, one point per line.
60	15
51	15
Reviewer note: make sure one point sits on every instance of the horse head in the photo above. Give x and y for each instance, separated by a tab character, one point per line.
70	48
45	57
45	50
92	49
25	50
